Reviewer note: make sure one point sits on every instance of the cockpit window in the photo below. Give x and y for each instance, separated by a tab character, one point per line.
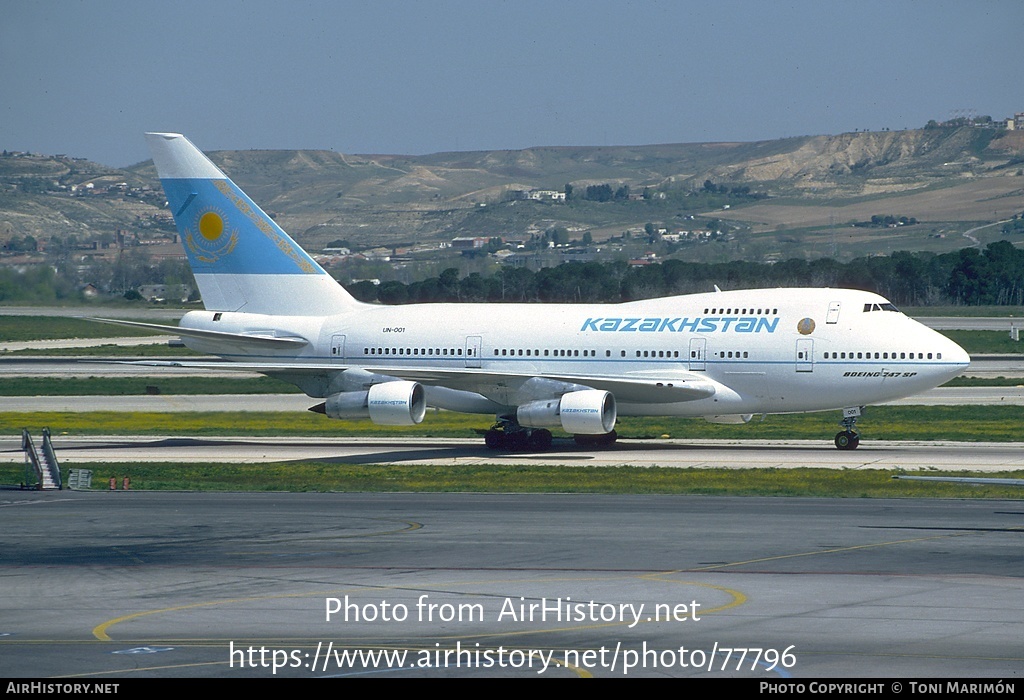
880	307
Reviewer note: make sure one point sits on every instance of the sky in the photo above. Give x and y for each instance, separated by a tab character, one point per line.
87	78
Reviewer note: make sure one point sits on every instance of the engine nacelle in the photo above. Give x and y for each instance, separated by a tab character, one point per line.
589	412
397	403
735	419
391	403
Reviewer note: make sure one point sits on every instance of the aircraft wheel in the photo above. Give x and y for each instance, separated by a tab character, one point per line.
607	438
847	440
494	439
517	441
540	440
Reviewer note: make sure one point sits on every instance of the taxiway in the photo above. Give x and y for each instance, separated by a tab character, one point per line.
107	585
75	451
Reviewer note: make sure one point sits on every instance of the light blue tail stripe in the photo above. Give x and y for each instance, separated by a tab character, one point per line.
237	236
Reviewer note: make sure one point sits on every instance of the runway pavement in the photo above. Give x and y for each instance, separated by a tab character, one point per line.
726	454
971	323
101	586
86	343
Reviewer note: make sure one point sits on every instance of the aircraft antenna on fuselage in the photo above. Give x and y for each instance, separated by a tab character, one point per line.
242	260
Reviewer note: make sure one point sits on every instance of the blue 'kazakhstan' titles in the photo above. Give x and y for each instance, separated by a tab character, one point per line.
698	324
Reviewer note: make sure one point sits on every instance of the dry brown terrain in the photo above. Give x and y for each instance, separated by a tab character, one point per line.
983	199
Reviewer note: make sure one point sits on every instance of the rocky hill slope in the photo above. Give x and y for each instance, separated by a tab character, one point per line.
385	199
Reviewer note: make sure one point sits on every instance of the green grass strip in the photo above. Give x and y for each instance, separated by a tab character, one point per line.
957	423
985	342
984	381
137	386
324	477
121	351
22	328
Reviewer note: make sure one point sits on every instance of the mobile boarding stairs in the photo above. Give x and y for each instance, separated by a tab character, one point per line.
41	468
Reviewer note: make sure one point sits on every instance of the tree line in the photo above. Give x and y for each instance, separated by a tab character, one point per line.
969	277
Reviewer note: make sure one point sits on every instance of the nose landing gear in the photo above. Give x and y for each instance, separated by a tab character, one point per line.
849	439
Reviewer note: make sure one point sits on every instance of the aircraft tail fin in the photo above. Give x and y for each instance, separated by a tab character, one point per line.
242	260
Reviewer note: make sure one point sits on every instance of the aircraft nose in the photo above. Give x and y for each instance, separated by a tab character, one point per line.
955	356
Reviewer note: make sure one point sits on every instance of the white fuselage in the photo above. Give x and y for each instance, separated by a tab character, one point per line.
762	350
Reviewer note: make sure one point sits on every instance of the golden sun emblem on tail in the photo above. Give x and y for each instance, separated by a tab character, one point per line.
214	240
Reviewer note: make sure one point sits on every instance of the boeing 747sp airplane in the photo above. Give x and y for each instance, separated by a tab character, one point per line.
723	356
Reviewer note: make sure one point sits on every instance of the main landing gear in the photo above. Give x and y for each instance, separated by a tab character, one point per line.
848	439
506	435
510	436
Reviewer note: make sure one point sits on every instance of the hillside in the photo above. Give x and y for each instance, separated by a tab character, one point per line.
370	200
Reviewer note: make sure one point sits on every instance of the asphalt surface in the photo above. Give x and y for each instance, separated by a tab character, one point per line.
102	585
729	454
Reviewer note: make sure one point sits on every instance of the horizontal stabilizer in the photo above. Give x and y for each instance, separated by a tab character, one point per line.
255	340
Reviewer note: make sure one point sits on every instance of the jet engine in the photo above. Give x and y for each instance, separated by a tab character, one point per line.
589	412
391	403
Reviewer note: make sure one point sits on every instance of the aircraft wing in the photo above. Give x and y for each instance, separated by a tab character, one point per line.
263	341
680	386
638	389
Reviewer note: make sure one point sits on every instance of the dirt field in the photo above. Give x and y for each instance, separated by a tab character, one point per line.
984	199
